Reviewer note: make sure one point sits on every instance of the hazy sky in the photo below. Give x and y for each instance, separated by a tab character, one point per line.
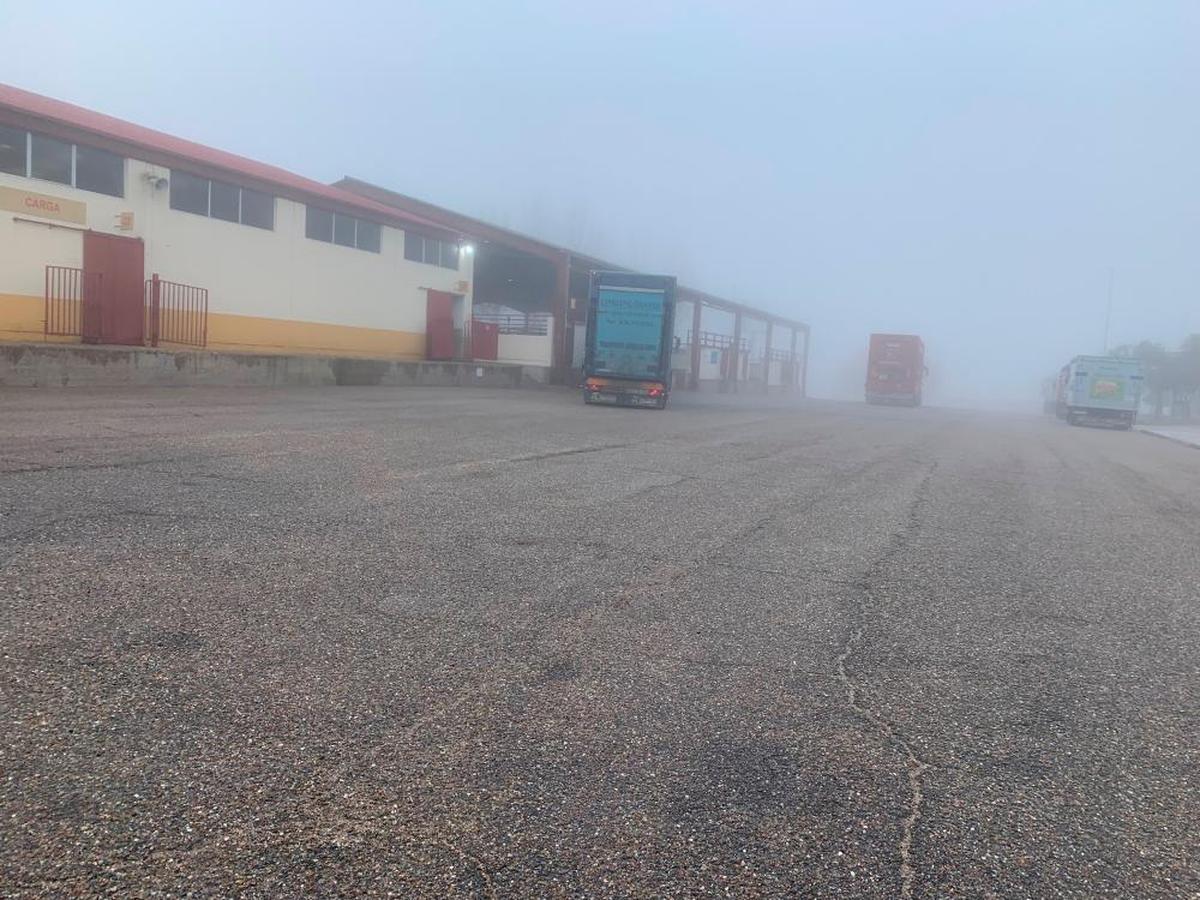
968	171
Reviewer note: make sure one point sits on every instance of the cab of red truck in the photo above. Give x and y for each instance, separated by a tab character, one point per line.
895	369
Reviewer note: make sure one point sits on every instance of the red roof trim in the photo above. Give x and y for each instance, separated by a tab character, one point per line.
136	136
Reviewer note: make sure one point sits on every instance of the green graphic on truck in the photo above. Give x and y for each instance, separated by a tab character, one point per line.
1107	389
1100	389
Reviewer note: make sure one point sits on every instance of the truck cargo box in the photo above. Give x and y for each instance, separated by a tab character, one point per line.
895	369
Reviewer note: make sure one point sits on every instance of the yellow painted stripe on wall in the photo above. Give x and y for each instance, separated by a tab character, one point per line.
252	334
22	318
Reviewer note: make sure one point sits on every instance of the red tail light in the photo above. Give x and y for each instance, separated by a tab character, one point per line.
655	391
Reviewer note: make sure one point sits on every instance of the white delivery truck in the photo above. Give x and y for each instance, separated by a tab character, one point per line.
1105	390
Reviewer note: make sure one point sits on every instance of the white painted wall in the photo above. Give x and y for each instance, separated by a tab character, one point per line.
247	271
527	349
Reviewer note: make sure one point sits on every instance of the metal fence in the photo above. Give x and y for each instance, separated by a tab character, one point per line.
176	313
521	323
64	301
717	341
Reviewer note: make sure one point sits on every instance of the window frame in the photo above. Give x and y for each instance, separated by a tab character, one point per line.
24	143
208	213
375	228
70	181
237	200
432	251
73	167
309	209
175	173
355	223
352	222
101	152
270	198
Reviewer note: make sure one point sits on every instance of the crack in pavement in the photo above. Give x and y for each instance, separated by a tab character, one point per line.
915	766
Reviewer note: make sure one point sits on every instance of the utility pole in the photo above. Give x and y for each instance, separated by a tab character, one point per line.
1108	311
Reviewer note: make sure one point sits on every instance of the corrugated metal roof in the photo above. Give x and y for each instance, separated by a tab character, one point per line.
77	117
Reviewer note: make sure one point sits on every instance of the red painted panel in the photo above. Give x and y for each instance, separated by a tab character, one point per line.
485	340
114	278
439	325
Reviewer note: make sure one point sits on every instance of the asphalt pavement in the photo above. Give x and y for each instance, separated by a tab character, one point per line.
426	642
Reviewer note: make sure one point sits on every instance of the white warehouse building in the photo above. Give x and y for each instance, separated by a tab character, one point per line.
248	257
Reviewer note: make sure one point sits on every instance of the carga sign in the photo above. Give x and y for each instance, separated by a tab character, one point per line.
43	206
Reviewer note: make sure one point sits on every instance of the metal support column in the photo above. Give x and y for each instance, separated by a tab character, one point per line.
697	309
560	352
767	361
793	373
804	367
735	349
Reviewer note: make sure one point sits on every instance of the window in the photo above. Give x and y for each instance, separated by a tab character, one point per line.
318	224
339	228
77	165
219	200
343	230
429	250
99	171
50	159
189	193
13	150
258	209
369	235
223	201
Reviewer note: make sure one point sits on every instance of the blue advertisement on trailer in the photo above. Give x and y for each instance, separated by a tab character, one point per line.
629	332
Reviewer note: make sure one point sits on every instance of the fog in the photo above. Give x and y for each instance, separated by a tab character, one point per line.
978	173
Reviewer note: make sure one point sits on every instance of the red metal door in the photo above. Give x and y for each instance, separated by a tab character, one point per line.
485	340
439	325
113	276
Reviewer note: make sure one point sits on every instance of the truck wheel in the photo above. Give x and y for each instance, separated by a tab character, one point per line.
662	403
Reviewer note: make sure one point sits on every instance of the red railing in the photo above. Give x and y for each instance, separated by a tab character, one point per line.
176	313
64	301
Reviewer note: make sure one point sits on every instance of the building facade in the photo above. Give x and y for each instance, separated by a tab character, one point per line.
111	233
288	265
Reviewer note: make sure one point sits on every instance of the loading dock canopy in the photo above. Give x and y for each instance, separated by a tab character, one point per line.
518	272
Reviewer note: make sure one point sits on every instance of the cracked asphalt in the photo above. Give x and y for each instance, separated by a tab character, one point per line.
368	641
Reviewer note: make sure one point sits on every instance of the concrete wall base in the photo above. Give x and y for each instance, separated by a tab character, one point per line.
75	365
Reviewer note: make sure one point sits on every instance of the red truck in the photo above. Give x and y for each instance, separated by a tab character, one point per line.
895	369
